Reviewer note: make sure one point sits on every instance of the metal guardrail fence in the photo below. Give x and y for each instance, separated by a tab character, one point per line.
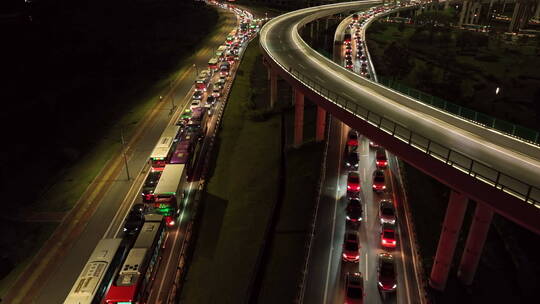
471	167
500	125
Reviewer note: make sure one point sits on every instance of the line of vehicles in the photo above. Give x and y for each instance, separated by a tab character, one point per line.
121	270
386	269
386	265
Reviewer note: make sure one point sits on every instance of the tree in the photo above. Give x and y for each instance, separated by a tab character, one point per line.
397	60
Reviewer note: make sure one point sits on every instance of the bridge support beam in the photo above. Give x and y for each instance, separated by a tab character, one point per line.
298	118
481	222
457	204
273	76
321	124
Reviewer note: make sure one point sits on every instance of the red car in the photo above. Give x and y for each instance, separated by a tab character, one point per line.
353	182
386	273
354	288
380	158
379	183
352	138
388	235
351	247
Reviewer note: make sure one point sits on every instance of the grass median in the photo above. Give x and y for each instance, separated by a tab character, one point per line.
284	269
239	195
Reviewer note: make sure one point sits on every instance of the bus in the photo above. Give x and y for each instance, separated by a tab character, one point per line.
97	273
163	149
169	193
134	280
213	63
183	149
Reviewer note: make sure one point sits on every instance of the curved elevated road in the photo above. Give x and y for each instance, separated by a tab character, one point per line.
484	164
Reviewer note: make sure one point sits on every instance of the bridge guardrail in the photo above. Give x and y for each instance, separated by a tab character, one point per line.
471	167
518	131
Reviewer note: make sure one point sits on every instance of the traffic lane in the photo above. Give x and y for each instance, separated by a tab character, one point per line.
315	285
282	43
65	273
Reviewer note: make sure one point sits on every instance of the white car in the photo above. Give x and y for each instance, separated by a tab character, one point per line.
195	104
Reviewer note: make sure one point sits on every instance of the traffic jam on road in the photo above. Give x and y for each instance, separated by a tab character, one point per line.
355	59
123	269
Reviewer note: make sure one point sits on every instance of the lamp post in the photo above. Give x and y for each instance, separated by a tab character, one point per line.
124	152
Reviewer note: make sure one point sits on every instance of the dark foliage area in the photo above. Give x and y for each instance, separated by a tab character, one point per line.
72	68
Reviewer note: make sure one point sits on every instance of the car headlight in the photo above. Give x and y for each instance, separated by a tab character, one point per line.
125	229
395	285
380	284
348	217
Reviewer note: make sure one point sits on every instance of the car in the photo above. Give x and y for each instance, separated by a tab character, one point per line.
222	78
353	182
347	52
349	64
388	235
363	64
379	183
363	70
358	54
380	158
211	100
363	58
354	210
351	161
198	95
348	57
351	247
195	104
200	85
387	212
216	92
134	220
348	47
149	185
359	47
219	84
354	288
386	273
352	138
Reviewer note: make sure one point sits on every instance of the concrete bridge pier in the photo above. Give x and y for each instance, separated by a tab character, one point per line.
457	204
478	232
298	118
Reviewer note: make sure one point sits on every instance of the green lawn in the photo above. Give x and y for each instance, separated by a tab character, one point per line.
283	270
238	198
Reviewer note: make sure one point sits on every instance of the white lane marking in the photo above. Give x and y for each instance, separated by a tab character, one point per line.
367	274
334	222
364	173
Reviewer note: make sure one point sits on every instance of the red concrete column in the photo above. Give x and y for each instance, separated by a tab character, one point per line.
457	204
273	88
321	124
298	118
475	242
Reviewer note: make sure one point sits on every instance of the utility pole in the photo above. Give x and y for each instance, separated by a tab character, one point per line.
124	152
